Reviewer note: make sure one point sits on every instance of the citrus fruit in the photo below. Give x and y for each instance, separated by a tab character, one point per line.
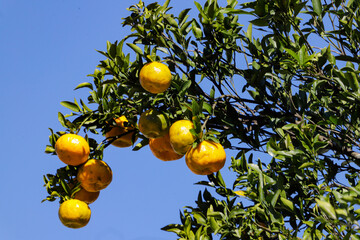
72	149
206	158
155	77
83	195
74	213
161	148
126	132
153	124
181	139
94	175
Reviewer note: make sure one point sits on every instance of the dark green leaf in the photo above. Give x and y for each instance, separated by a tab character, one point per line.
195	108
62	119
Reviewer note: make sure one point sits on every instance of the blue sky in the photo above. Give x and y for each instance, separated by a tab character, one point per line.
47	49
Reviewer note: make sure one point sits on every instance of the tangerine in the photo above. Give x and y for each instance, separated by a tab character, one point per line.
72	149
126	132
86	196
181	139
153	124
155	77
161	148
206	158
94	175
74	213
83	195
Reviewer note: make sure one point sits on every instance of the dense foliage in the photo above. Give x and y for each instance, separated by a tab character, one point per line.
284	81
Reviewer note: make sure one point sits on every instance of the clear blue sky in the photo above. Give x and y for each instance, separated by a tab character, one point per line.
47	47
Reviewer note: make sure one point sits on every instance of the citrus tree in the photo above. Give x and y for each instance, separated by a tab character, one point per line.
275	78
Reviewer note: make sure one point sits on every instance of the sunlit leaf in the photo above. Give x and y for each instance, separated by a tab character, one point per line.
70	105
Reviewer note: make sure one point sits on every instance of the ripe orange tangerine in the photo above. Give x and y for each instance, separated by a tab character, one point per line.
155	77
162	149
74	213
153	124
126	133
72	149
83	195
181	139
206	158
94	175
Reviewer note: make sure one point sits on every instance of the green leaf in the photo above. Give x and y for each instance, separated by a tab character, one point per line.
317	6
176	228
196	30
195	108
212	93
307	164
84	106
212	10
52	138
201	11
49	149
220	179
327	208
249	32
260	22
213	224
135	48
207	107
94	96
62	119
84	85
171	21
200	219
353	80
166	4
184	28
70	105
289	205
293	54
111	49
184	87
183	15
330	57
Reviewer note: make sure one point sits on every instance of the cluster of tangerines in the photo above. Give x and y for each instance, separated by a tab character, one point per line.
93	176
167	142
170	141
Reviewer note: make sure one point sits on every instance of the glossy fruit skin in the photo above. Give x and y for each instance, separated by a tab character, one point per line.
86	196
74	213
72	149
155	77
181	139
206	158
82	194
94	175
162	149
153	124
125	140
